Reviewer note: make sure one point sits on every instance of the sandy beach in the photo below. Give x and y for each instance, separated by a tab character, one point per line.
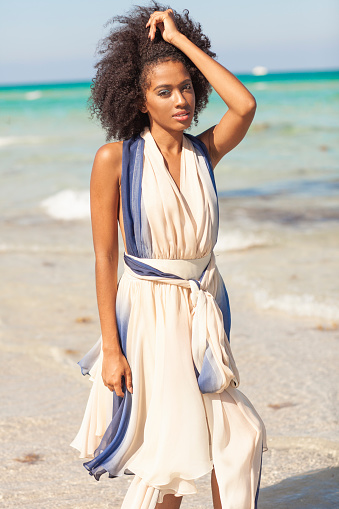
288	364
277	252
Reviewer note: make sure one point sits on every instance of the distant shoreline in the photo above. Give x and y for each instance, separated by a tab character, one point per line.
248	77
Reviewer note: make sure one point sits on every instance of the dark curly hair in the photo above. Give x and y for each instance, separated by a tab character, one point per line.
118	89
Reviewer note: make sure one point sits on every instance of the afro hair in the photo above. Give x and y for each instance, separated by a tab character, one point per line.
127	54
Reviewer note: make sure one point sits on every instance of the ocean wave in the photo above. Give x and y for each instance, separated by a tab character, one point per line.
67	205
6	141
290	128
239	241
306	305
32	96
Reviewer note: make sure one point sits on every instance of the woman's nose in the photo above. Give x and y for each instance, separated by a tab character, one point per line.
179	98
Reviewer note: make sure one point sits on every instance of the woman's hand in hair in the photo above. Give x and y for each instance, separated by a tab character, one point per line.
164	20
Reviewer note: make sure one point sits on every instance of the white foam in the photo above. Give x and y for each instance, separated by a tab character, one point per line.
259	70
298	305
237	240
68	205
32	96
5	141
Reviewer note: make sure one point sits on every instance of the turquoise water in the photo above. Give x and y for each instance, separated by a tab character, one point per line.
48	141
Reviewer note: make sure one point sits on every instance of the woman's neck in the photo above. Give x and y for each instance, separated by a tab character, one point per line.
168	142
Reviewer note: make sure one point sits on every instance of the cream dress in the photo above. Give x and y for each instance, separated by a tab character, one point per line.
186	413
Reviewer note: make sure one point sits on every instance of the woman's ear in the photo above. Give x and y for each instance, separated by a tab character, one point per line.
142	108
141	103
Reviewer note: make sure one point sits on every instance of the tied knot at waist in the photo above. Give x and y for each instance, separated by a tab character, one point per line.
211	352
198	292
195	289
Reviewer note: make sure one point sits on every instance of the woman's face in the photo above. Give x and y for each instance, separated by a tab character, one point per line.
169	98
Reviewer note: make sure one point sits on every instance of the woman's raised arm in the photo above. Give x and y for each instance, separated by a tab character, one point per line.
104	213
233	126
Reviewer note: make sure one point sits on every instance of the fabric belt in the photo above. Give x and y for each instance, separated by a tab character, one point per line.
211	351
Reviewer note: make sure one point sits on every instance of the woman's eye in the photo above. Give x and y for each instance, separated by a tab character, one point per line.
164	92
188	86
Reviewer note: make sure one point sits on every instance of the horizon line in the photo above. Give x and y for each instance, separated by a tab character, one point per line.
86	81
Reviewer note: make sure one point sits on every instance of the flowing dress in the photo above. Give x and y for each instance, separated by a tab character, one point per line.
186	414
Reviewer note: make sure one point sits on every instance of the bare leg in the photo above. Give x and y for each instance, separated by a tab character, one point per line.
215	491
170	502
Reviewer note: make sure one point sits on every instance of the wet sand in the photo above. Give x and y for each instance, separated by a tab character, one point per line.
288	366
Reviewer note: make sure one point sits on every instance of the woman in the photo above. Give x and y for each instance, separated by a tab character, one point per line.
176	413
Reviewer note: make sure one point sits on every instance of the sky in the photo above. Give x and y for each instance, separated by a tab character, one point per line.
53	41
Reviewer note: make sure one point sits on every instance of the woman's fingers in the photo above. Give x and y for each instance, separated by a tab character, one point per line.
118	389
110	387
156	20
117	385
115	369
128	380
155	15
165	22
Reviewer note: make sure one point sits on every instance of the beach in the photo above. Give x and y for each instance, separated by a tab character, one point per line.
277	252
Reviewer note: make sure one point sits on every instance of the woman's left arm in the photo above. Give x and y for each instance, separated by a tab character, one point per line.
233	126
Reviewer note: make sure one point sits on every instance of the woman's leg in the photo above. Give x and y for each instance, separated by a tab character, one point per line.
170	502
215	491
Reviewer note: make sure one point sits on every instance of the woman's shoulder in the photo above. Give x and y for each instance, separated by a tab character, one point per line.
107	161
110	152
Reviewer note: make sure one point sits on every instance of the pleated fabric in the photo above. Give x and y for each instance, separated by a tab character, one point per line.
186	413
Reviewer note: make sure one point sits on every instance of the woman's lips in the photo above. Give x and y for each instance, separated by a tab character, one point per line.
182	115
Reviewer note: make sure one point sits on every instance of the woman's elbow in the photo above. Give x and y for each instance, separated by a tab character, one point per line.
249	108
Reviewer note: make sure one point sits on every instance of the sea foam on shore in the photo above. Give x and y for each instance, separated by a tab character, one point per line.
68	205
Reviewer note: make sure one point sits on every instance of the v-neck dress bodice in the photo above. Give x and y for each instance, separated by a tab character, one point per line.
179	224
161	220
169	433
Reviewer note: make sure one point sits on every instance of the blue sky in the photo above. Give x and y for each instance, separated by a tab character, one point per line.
55	41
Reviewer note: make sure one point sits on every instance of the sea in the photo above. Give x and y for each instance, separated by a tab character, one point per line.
278	187
277	251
